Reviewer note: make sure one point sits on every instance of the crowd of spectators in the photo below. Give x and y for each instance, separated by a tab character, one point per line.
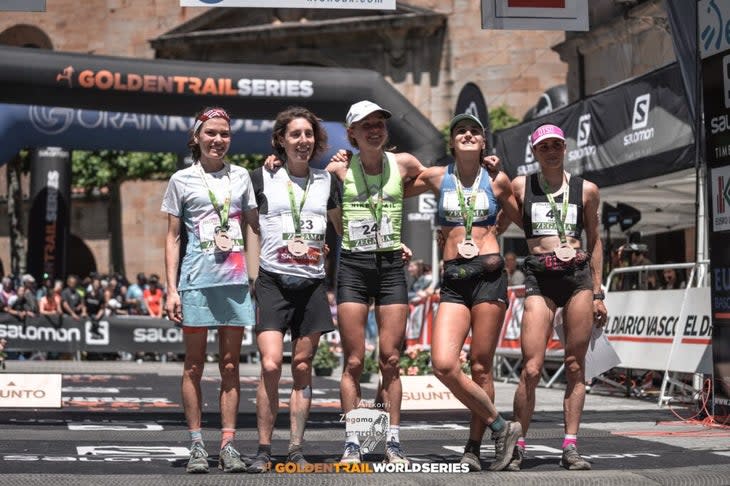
94	297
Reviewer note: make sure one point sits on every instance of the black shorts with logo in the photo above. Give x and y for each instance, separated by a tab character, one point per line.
546	275
376	274
300	304
473	281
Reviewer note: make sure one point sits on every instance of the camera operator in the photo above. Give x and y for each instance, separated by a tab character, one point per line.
635	255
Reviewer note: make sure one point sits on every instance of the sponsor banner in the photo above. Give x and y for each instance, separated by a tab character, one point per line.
535	14
657	330
716	94
720	183
633	131
34	125
30	390
353	4
713	26
50	212
427	393
114	333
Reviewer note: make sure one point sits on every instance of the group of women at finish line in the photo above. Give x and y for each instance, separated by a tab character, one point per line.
285	210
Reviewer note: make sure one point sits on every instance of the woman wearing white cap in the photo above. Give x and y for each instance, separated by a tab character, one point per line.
371	265
556	208
474	285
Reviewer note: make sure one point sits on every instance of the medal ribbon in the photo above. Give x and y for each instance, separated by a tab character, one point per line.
377	209
224	209
559	217
296	212
467	211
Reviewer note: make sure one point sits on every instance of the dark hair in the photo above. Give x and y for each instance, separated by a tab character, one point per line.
292	113
192	144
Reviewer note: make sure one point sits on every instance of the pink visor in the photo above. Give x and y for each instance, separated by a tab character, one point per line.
544	132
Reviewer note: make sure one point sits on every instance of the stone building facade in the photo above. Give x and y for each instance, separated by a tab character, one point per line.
427	49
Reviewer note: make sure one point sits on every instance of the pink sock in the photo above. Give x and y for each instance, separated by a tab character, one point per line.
521	442
570	440
227	436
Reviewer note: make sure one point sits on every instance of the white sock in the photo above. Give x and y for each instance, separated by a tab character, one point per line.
352	437
394	433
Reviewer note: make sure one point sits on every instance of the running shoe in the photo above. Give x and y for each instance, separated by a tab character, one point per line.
351	454
471	457
504	442
230	460
261	463
198	462
394	454
296	456
572	461
518	453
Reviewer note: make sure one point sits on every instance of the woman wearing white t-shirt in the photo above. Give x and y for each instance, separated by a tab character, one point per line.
208	201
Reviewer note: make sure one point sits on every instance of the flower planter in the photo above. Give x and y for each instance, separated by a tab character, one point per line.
323	371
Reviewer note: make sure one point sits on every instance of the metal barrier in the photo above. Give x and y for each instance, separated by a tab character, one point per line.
690	304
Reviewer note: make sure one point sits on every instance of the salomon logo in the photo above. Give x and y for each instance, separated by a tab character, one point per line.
641	111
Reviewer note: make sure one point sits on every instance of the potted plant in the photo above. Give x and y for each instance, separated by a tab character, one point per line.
370	366
325	360
415	361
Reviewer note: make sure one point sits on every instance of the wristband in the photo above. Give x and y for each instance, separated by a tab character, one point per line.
599	296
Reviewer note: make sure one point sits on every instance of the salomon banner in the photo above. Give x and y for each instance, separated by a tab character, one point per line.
50	212
633	131
714	47
114	333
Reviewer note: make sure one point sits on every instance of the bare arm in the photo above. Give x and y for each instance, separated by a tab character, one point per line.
338	169
591	203
253	253
410	167
173	306
335	217
427	180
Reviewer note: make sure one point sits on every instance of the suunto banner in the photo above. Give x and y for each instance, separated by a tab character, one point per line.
633	131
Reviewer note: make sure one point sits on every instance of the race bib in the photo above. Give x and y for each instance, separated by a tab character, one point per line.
313	226
367	235
452	210
543	219
207	232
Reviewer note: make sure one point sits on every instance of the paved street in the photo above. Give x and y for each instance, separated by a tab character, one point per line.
122	423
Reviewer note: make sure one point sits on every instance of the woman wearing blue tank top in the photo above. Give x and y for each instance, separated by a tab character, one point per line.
474	282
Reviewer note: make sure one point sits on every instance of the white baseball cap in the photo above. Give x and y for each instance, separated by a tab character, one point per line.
361	109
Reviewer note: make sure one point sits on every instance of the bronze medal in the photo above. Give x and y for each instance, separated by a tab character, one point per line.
222	241
467	249
565	252
297	247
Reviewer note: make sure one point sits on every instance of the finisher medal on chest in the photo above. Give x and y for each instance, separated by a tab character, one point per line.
565	252
468	249
297	247
222	240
